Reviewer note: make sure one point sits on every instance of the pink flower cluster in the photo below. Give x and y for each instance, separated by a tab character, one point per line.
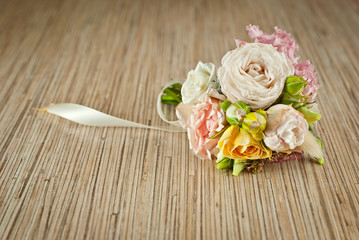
286	44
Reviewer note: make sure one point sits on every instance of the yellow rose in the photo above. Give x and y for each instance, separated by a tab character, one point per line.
237	143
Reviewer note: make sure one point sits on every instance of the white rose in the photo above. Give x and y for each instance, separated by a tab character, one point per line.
255	74
285	129
198	83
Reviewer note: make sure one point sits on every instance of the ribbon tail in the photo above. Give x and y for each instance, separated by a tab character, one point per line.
91	117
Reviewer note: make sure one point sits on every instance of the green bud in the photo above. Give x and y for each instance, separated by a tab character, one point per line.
242	106
292	93
238	166
309	115
225	105
234	115
262	112
320	160
255	123
295	88
295	101
235	112
294	79
225	163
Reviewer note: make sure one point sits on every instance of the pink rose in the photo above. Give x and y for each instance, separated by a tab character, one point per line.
285	129
205	121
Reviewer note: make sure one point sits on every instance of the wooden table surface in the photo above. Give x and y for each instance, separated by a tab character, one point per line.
60	180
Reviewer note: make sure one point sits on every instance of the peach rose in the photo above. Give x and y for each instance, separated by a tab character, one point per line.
255	74
205	121
286	128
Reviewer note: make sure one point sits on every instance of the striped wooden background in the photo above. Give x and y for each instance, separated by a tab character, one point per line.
59	180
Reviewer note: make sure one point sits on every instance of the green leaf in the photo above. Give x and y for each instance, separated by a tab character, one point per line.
220	133
232	121
309	115
168	98
172	94
170	102
176	91
177	85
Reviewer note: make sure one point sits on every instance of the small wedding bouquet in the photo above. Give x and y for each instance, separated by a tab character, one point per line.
257	107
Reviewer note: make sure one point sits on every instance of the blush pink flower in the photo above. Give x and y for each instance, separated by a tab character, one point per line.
287	45
306	71
205	121
280	39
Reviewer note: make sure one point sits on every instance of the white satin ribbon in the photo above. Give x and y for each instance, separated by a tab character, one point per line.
91	117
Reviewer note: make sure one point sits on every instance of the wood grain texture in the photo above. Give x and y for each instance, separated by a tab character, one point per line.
59	180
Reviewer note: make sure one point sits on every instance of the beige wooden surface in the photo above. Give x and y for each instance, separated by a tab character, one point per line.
59	180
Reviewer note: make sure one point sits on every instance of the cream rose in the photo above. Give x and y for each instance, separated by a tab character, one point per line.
255	74
198	84
285	129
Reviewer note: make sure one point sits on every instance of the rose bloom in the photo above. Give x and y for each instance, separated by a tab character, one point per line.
237	143
286	44
285	129
198	84
206	120
255	74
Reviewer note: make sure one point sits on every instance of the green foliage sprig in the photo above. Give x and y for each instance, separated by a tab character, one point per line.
172	94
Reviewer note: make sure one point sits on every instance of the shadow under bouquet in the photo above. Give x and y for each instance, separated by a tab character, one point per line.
257	107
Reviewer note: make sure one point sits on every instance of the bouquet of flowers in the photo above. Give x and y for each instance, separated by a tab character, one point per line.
258	107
